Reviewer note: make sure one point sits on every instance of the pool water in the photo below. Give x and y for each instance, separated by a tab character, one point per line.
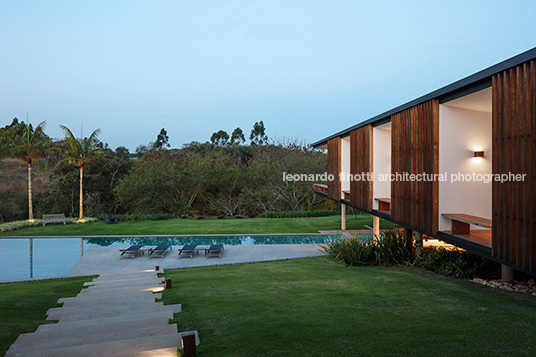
22	258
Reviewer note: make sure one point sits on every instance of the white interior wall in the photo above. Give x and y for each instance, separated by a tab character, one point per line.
462	131
345	163
381	161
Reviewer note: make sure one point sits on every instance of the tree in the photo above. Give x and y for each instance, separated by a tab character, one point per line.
220	138
142	150
258	135
29	147
237	137
7	136
162	140
80	152
122	153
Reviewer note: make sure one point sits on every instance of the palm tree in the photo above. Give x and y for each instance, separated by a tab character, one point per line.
29	147
80	152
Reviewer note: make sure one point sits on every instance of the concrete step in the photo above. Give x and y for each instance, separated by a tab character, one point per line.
99	324
124	290
132	287
96	300
113	278
161	352
64	314
75	337
122	283
127	273
127	347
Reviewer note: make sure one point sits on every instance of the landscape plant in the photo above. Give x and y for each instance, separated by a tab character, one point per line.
391	246
80	152
457	263
28	148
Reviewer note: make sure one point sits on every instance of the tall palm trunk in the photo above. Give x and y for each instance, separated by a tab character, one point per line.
30	205
81	200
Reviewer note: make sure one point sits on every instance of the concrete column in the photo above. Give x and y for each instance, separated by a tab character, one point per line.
376	225
343	217
418	243
507	273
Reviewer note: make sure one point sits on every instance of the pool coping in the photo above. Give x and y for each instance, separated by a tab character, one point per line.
176	235
353	231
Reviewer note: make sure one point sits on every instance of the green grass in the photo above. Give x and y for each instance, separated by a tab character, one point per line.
194	226
317	307
23	306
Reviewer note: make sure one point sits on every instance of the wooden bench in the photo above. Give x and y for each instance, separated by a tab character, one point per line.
53	218
320	187
461	222
384	204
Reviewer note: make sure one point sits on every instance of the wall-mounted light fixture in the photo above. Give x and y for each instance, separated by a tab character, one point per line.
478	153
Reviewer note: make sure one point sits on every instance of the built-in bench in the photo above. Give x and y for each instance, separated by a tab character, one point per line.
53	218
320	187
384	204
461	222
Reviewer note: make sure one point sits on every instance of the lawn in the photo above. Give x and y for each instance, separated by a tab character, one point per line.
194	226
23	306
317	307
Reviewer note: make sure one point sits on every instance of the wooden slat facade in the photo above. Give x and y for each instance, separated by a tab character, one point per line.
514	150
334	168
361	162
414	149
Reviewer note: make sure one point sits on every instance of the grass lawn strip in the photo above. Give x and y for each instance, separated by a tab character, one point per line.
23	306
320	307
206	226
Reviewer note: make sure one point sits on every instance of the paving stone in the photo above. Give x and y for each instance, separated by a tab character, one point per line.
100	324
116	315
128	347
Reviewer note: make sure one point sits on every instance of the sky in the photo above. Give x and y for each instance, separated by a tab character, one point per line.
307	68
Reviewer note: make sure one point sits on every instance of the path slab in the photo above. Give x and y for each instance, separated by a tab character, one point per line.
115	315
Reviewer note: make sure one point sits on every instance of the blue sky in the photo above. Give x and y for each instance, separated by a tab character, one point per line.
306	68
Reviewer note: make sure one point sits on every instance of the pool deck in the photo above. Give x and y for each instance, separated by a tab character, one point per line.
97	260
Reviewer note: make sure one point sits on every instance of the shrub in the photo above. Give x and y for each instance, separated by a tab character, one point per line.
390	247
297	214
11	226
350	251
129	217
457	263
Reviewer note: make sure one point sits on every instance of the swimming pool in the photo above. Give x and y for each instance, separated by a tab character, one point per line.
22	258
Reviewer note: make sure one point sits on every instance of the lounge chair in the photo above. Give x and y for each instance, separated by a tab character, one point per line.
131	251
215	250
187	251
160	251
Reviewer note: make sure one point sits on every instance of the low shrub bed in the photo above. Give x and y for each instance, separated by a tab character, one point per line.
298	214
11	226
390	247
131	217
457	263
393	247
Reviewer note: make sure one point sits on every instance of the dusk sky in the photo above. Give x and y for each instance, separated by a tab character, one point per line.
306	68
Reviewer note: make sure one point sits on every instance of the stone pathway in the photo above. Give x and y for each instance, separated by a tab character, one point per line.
115	316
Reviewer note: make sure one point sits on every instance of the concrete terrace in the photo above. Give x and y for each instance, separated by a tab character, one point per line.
98	260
